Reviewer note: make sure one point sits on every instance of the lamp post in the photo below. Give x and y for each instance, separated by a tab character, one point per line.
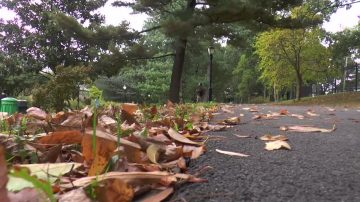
211	52
124	87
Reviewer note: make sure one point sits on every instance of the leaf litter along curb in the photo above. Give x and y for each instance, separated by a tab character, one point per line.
148	149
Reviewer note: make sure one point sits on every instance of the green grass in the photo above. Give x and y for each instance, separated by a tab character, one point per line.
349	99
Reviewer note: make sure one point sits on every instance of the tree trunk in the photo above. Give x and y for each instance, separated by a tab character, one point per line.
177	70
180	48
298	86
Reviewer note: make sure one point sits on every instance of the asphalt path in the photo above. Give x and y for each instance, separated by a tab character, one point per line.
320	166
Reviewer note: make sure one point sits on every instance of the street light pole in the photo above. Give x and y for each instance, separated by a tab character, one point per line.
211	52
356	77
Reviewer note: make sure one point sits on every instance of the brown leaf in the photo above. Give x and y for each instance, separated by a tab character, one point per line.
180	138
75	195
62	137
231	121
160	196
51	155
278	144
307	129
3	176
74	121
284	112
104	150
273	138
195	151
130	108
113	190
231	153
135	155
132	178
103	134
37	113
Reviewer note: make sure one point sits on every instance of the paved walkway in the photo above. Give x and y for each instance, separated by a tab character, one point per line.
320	166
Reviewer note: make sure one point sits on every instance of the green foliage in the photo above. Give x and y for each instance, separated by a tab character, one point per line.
61	87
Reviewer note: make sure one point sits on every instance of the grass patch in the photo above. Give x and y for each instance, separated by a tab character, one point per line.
348	99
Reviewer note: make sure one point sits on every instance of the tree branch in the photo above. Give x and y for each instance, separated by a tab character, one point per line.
152	58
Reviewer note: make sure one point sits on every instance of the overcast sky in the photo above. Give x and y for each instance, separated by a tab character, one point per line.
114	15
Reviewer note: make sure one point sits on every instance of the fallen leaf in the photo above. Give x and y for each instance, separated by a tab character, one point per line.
130	108
253	109
132	178
231	121
278	144
74	121
330	109
47	171
153	153
284	112
75	195
104	150
307	129
180	138
231	153
193	152
36	113
297	116
311	113
113	190
51	155
242	136
273	138
160	196
62	137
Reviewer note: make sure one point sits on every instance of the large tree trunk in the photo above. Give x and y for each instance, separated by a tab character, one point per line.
180	48
298	85
177	70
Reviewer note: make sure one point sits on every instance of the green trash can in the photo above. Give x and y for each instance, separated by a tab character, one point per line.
9	105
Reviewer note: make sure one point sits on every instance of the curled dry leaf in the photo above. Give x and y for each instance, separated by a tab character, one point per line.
180	138
130	108
278	144
62	137
132	178
273	138
307	129
153	152
253	109
231	153
231	121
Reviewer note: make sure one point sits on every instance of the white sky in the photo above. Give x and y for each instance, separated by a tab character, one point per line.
114	15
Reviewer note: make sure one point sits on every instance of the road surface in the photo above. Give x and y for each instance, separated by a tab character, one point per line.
320	166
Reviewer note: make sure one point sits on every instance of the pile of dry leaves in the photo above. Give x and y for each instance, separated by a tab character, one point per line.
114	154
